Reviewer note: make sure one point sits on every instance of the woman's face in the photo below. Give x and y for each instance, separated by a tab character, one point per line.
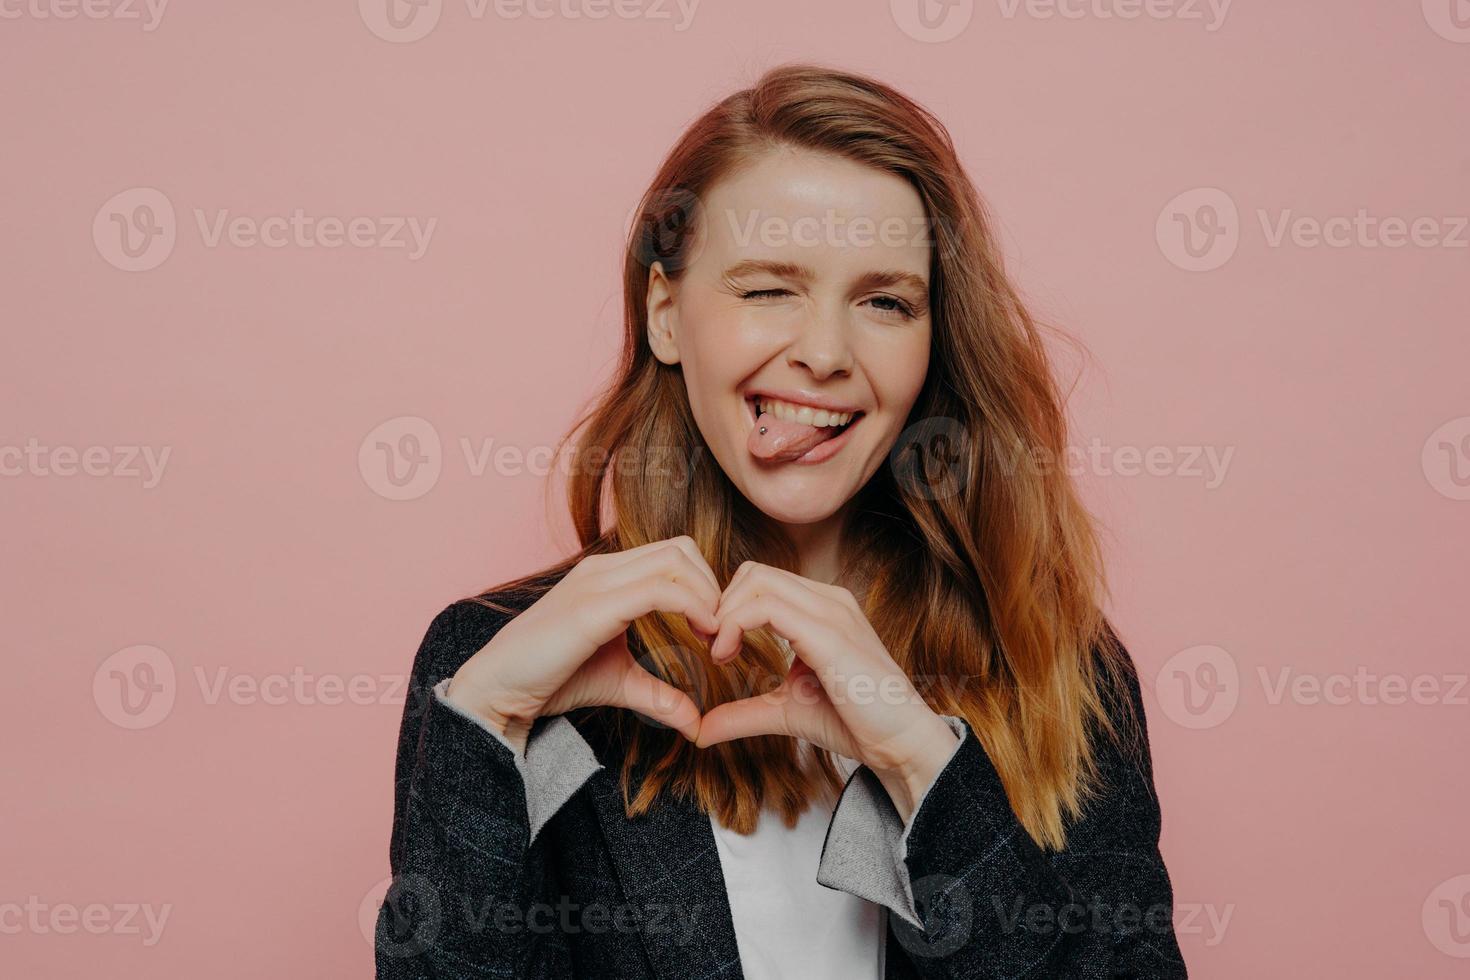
808	285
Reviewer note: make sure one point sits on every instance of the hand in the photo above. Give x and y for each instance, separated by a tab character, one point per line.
844	691
569	648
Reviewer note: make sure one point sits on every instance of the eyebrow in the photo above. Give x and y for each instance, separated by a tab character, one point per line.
791	270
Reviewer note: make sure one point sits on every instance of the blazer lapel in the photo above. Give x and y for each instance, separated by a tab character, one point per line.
669	869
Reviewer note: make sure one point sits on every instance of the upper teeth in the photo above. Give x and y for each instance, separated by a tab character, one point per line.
804	414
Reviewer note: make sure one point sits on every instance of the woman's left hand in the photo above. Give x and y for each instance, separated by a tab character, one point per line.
843	692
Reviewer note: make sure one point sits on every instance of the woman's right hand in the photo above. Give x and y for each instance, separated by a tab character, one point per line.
569	648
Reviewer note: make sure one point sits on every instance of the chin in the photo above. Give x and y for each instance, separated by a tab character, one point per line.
790	495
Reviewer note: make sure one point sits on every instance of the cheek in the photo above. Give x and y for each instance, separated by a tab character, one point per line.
715	358
899	369
713	342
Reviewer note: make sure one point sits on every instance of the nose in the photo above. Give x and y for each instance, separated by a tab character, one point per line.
823	346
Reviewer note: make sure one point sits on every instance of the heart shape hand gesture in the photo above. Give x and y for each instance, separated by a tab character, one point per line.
843	691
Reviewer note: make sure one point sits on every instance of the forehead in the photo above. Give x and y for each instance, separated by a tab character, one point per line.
818	209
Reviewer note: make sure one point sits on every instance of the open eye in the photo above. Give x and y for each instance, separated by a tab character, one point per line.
899	308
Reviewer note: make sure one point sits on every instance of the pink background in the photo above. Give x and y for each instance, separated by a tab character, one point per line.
1303	833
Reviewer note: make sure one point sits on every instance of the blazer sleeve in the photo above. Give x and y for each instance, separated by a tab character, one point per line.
471	875
973	896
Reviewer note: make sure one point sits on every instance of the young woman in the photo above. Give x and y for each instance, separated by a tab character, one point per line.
840	702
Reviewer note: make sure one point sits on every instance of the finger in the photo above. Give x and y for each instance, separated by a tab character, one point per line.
671	564
797	709
655	593
812	639
742	719
673	561
657	699
753	579
683	543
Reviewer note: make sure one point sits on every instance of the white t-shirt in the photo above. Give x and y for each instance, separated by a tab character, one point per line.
786	924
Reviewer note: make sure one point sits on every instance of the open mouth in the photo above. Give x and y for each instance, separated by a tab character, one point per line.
752	405
775	436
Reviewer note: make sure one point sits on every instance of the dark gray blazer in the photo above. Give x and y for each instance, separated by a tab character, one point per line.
526	867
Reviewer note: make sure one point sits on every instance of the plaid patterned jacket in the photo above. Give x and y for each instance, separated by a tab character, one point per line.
525	867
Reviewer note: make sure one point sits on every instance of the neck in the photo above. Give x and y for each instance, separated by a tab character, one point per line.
819	547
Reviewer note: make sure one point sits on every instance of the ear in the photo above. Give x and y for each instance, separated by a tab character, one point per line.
662	316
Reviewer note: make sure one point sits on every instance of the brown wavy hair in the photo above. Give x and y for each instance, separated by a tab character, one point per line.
988	594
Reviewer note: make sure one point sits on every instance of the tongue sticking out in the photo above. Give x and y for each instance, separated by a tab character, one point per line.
784	440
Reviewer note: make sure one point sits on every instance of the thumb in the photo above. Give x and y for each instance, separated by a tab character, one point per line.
659	700
798	708
763	715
